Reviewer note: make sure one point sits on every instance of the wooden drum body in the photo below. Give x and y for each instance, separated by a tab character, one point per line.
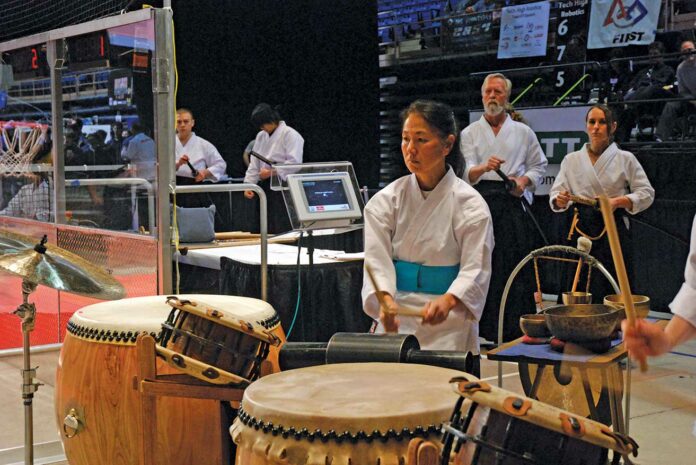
492	426
230	341
352	413
95	388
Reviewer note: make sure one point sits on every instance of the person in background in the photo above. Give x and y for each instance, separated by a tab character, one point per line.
32	201
686	78
429	239
494	143
600	167
246	157
140	153
648	84
649	339
280	144
195	151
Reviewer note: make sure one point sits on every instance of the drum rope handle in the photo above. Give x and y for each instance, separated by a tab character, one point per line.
622	443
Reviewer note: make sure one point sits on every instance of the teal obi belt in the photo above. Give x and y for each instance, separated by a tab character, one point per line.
414	277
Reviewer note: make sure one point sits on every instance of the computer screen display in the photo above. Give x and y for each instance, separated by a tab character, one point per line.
326	195
323	196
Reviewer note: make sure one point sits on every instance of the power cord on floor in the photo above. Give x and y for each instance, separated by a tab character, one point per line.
299	288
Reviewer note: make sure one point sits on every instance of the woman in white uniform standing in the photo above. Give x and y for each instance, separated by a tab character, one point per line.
429	238
280	144
601	168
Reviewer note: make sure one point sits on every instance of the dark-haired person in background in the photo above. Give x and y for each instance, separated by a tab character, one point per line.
686	78
429	239
281	144
648	83
600	167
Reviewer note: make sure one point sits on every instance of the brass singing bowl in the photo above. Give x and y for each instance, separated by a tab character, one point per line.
641	305
581	322
55	267
577	297
534	325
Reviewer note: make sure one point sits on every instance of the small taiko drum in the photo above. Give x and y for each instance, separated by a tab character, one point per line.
348	413
221	344
97	405
490	425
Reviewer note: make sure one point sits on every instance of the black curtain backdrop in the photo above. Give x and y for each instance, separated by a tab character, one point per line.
317	59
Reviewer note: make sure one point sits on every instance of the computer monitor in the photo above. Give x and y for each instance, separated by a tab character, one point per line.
323	196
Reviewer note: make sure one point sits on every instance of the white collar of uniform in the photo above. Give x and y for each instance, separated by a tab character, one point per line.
280	129
191	139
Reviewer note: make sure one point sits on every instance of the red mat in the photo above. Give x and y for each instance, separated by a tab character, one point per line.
50	325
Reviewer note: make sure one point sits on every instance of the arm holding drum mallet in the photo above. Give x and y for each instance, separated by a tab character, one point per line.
389	308
643	339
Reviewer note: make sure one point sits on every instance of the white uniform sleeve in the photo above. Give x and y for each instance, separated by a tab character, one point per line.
560	184
379	229
642	193
684	303
252	172
214	161
294	147
471	284
466	145
535	161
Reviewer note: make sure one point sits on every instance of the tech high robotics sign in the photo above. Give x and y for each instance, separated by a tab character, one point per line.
618	23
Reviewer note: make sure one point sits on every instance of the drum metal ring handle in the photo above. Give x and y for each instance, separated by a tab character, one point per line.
71	424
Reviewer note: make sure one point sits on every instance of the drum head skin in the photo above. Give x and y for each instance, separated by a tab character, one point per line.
118	318
342	414
353	397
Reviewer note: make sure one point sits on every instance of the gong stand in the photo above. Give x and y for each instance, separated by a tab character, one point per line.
27	312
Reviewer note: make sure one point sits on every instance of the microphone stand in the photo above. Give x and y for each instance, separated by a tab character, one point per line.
511	185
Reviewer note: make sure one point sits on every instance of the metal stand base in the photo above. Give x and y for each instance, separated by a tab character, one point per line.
27	312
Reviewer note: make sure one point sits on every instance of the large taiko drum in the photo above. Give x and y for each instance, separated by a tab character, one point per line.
492	426
95	389
352	413
221	344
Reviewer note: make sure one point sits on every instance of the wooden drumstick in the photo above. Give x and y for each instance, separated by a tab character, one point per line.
617	255
583	200
401	310
584	245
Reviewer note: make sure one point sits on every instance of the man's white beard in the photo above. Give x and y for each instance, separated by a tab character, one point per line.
493	109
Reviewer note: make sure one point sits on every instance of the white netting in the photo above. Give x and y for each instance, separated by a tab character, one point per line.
19	144
20	18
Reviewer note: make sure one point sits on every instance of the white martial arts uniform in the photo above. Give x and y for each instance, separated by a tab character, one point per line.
515	143
285	145
202	154
615	173
684	303
450	225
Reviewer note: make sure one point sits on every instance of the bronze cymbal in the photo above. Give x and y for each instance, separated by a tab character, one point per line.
55	267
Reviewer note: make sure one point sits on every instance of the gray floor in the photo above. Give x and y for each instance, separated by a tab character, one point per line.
663	411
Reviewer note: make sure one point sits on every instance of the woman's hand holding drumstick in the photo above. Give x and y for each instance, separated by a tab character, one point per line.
617	255
389	309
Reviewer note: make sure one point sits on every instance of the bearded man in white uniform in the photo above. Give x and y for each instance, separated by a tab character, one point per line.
429	238
496	142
